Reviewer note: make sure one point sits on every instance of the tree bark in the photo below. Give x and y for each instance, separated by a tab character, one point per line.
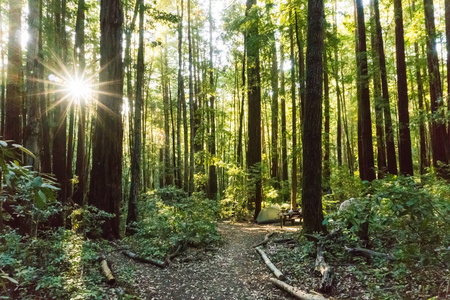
389	132
136	153
365	148
180	96
404	145
326	139
212	168
33	128
191	106
294	123
438	130
312	124
80	165
106	175
284	159
274	109
254	106
12	104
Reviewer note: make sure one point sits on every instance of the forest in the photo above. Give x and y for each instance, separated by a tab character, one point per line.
224	149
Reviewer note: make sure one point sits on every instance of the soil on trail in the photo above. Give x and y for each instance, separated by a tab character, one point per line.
233	271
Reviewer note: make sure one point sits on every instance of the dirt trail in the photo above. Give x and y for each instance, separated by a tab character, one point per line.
234	271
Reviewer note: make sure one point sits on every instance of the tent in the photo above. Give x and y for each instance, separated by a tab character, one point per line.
268	215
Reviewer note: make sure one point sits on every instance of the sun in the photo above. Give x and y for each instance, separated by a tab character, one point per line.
78	89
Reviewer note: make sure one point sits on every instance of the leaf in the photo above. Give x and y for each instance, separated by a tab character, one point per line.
41	199
37	182
10	279
24	150
3	144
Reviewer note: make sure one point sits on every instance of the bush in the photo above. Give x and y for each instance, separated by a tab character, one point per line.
169	218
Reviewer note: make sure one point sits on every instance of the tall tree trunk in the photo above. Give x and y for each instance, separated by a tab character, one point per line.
424	163
254	106
136	152
80	165
326	138
404	145
59	134
389	132
106	175
46	161
212	87
274	107
438	130
284	160
301	66
240	157
294	122
165	86
365	150
180	99
312	124
447	37
381	148
33	128
12	104
3	80
191	106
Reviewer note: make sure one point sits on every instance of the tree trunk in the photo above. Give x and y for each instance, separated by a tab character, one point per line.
381	148
136	153
59	134
389	132
106	175
338	91
33	128
365	149
254	106
12	104
79	54
180	99
312	124
404	145
191	106
284	159
165	86
438	130
326	138
294	123
212	168
240	157
274	108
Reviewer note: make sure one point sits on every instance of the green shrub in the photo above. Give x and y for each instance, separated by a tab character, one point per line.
168	218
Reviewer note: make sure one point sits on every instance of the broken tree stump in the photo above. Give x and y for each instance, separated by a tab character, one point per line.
107	271
324	269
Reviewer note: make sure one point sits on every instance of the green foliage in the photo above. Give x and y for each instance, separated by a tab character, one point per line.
89	219
56	265
168	218
345	185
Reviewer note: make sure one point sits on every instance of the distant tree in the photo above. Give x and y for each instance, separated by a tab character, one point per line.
312	124
106	175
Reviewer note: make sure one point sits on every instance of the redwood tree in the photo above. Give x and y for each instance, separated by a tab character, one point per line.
312	124
106	175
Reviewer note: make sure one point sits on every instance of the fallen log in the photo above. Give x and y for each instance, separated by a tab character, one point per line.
271	266
107	271
324	269
294	291
152	261
368	253
266	239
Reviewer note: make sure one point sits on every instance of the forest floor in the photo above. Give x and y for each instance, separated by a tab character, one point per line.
232	271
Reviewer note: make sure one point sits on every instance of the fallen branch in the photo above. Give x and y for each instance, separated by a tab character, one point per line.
134	256
284	241
270	264
294	291
266	240
368	253
325	270
107	271
172	256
